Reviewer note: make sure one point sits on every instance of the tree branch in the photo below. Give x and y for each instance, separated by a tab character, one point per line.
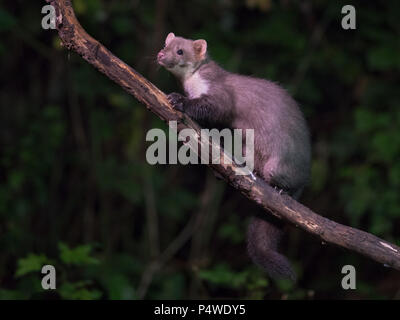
256	189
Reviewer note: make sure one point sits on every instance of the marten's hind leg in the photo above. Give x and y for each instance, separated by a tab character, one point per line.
264	234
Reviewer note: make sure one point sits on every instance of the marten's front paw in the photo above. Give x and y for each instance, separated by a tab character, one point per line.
177	100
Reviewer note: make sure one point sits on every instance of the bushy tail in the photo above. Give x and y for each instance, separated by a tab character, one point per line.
263	239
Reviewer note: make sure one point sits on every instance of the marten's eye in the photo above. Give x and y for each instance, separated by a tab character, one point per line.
180	52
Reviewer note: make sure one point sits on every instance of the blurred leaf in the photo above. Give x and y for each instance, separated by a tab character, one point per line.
231	231
174	285
79	255
7	20
78	291
32	263
384	57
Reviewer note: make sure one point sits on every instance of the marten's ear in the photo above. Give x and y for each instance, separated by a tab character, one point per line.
200	48
170	37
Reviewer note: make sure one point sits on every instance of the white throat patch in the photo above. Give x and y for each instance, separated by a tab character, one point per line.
195	86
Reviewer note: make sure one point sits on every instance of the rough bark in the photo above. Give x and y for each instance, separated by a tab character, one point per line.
75	38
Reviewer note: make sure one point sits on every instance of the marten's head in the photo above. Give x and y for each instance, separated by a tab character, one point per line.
182	56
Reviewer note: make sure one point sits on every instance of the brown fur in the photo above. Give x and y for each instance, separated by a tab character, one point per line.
216	97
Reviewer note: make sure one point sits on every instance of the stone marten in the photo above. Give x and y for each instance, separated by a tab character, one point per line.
282	151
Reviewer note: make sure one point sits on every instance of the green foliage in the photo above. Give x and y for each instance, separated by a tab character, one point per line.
78	256
78	291
7	20
223	275
32	263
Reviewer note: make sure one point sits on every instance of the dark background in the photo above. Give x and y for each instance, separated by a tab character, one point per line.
76	191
